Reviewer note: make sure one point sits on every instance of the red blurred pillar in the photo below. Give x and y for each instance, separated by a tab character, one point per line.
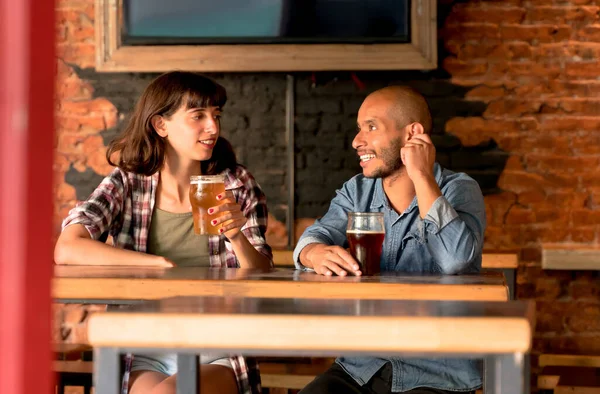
26	148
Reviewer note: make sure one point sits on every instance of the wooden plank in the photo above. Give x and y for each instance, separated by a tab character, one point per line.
77	366
570	257
570	360
499	261
284	258
271	326
136	283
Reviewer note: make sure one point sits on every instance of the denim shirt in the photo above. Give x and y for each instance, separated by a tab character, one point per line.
448	241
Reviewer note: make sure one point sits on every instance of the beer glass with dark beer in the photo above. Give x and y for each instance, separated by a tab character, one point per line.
204	190
365	235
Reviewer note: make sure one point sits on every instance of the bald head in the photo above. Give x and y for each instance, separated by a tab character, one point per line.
406	106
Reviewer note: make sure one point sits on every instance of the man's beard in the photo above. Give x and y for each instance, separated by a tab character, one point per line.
392	160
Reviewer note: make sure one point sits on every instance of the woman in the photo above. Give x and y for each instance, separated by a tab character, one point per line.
144	205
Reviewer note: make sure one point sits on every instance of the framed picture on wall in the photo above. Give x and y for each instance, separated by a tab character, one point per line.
265	35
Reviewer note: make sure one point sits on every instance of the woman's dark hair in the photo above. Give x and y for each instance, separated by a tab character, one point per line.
141	150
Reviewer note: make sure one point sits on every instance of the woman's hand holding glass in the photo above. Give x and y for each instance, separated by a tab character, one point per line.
228	216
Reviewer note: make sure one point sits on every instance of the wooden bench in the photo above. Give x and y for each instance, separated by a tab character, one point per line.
73	369
574	374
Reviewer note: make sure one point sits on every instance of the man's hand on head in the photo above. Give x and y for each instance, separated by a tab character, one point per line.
329	260
418	156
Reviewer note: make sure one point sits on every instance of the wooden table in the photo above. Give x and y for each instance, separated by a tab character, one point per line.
500	332
90	284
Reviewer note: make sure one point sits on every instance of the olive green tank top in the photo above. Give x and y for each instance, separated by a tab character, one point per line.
172	236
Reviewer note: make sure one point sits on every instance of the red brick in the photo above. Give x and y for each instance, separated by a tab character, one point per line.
473	130
531	197
552	234
88	107
577	88
527	143
585	318
586	288
550	316
530	255
513	107
498	238
77	122
551	51
535	33
497	206
585	50
61	163
584	235
488	50
518	50
462	13
562	14
470	31
566	200
589	33
533	89
535	69
460	68
69	143
594	201
514	163
520	182
73	89
590	178
582	69
583	106
547	287
568	344
570	123
585	217
485	93
82	54
586	144
551	215
563	163
518	215
64	192
564	180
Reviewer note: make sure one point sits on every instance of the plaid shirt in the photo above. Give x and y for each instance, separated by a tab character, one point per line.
122	206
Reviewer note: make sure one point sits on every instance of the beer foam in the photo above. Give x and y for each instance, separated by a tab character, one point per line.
364	232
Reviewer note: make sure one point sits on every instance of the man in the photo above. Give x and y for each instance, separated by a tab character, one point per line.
434	223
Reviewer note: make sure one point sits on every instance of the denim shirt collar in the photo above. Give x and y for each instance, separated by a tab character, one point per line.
380	199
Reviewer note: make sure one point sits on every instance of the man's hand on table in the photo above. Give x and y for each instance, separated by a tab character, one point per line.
329	260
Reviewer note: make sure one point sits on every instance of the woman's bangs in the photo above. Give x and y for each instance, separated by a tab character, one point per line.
208	95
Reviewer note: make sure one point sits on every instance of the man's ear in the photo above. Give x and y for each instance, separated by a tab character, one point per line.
413	129
159	125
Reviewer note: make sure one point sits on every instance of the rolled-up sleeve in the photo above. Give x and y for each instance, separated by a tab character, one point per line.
254	206
331	228
98	213
454	228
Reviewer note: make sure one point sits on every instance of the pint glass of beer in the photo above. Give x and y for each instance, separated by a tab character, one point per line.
365	235
204	190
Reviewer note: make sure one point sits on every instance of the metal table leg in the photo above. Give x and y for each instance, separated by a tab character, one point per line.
188	377
505	374
106	370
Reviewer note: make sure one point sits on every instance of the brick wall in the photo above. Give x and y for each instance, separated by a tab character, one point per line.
515	103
